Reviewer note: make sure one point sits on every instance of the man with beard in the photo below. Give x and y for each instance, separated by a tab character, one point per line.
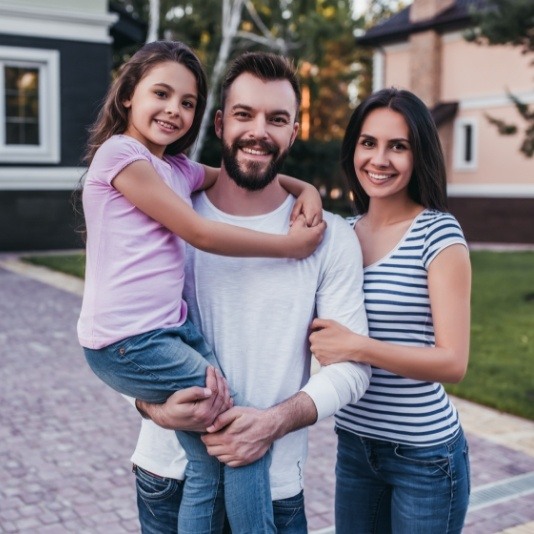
256	312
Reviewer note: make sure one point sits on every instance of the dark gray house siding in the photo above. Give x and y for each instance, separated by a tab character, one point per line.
45	219
75	48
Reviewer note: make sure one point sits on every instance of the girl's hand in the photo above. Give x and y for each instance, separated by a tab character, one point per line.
331	342
309	205
304	239
192	409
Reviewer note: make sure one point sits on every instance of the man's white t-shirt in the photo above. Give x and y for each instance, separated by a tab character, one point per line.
256	313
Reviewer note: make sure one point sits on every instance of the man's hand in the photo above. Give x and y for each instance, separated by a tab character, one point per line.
194	408
241	435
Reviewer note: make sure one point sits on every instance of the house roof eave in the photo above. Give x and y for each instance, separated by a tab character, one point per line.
398	28
444	112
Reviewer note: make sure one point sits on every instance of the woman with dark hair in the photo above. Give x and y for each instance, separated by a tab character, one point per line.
402	462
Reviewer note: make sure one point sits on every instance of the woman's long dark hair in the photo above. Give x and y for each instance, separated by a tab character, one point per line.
428	183
113	116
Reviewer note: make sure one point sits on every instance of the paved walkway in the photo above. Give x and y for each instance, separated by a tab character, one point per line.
65	438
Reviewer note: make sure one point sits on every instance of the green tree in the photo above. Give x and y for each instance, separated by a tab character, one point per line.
509	22
318	34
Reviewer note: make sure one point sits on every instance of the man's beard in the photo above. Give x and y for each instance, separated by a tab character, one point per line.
252	178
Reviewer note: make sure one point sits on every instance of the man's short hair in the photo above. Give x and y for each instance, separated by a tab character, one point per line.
264	65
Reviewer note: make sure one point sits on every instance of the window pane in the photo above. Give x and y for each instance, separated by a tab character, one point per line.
468	153
21	105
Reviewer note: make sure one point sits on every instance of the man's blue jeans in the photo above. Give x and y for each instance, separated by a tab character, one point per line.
384	487
158	502
289	515
152	366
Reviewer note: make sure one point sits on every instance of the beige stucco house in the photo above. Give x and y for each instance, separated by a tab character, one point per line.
490	182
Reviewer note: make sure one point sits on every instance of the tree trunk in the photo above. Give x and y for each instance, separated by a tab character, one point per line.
231	18
153	21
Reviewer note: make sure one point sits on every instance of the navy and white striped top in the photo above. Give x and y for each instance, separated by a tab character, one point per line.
395	408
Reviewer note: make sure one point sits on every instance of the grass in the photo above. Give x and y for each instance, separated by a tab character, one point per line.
73	264
501	367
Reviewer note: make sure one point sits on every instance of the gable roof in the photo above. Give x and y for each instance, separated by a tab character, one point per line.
399	27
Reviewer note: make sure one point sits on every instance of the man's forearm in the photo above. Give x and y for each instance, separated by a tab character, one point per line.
157	413
242	435
336	385
297	412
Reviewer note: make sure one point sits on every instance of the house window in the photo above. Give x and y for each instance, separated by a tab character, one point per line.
465	144
22	105
29	105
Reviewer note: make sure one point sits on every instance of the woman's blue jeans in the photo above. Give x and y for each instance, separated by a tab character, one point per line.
384	487
152	366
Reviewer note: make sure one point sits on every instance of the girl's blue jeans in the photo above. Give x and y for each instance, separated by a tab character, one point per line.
152	366
384	487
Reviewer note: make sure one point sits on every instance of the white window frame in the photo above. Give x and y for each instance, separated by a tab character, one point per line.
47	63
460	141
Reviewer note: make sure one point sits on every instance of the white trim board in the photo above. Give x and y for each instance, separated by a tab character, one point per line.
491	190
40	178
495	101
56	24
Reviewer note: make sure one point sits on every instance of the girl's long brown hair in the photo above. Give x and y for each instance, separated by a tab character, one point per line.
113	116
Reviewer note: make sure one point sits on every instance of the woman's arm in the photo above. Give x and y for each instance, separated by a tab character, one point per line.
308	201
143	187
449	285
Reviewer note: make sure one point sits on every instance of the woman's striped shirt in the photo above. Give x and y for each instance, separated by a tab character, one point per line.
395	408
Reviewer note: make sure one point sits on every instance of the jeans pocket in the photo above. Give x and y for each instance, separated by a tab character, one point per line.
153	487
430	461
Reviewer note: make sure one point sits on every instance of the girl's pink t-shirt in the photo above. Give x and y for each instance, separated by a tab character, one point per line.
135	266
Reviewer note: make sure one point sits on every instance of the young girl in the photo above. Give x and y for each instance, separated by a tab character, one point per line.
402	462
133	323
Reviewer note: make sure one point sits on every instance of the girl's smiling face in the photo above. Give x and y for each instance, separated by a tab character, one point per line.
383	158
162	106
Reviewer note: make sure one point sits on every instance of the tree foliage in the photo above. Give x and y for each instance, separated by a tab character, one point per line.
509	22
317	34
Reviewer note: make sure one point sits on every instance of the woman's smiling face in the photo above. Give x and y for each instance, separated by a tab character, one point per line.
383	158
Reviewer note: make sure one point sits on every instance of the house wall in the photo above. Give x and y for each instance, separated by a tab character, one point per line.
478	77
397	66
472	71
493	195
494	200
84	77
35	196
497	219
425	71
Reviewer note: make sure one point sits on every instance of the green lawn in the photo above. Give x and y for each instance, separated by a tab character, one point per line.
73	264
501	368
